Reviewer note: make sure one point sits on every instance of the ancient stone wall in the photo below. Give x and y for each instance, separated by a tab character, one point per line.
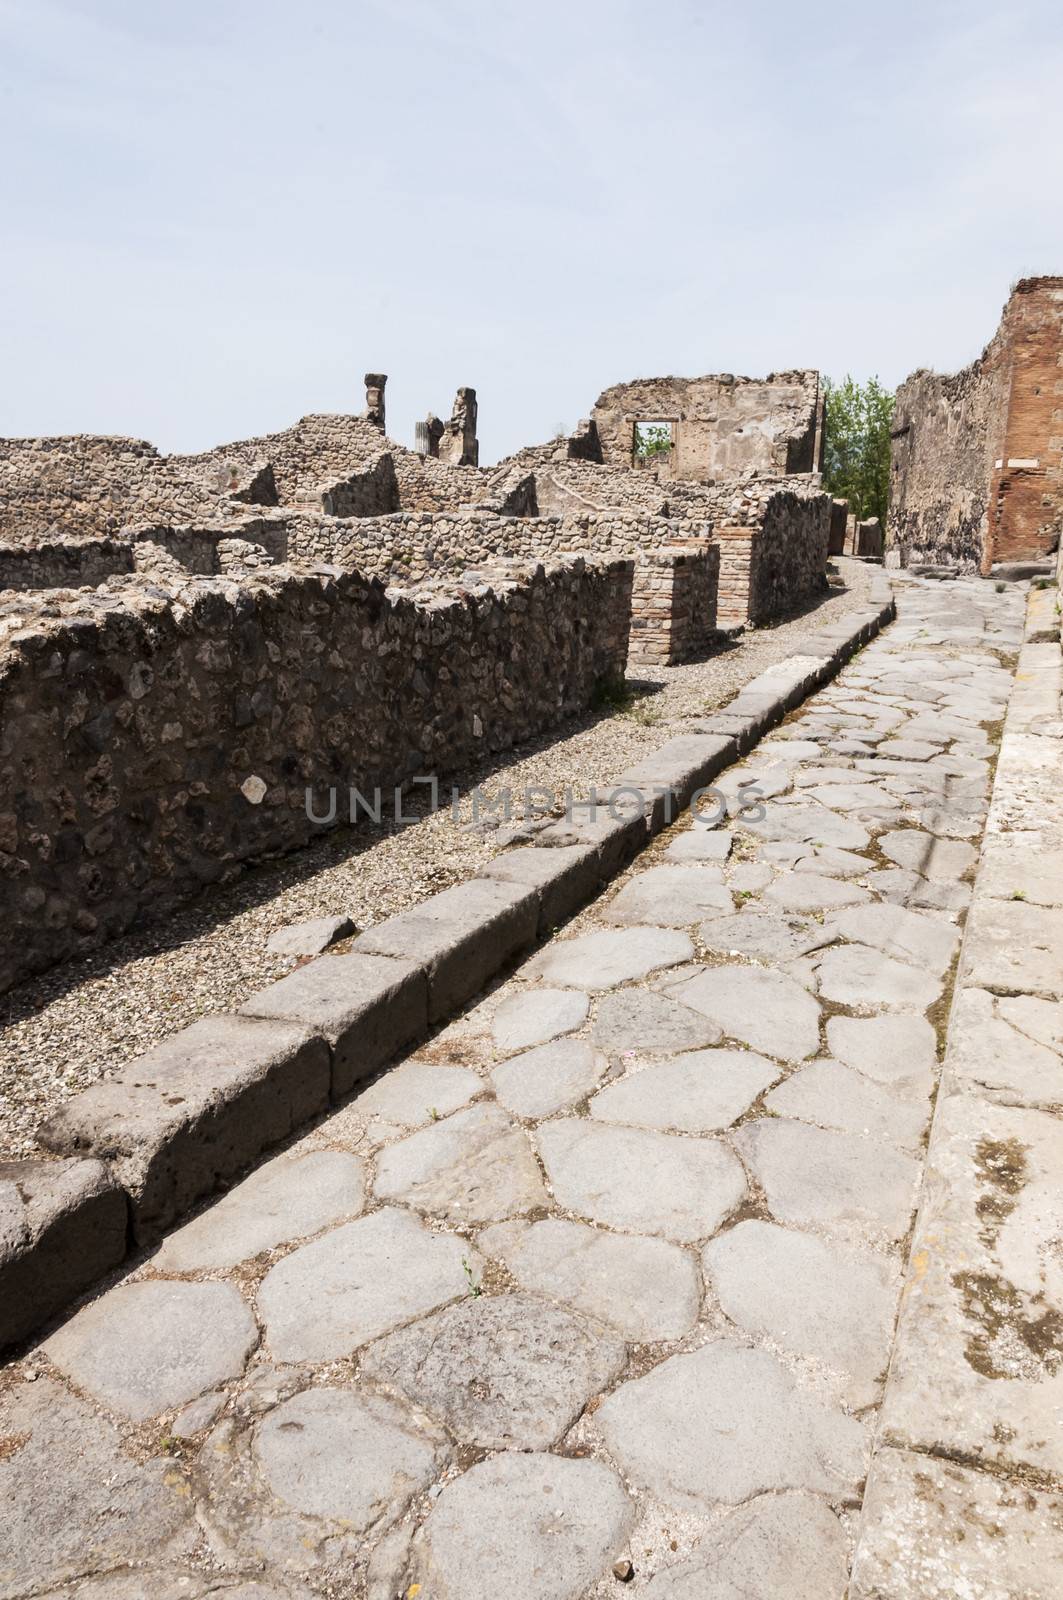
673	604
773	567
152	738
63	563
722	426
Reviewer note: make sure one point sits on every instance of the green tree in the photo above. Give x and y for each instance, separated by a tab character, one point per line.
652	439
856	457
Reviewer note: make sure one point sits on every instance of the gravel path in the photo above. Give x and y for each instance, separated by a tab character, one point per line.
73	1025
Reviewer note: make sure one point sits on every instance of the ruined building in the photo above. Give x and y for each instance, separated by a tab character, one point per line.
976	474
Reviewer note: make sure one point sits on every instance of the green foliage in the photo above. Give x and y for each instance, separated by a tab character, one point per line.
856	457
652	439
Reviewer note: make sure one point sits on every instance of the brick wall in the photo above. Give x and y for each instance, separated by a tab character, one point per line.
673	604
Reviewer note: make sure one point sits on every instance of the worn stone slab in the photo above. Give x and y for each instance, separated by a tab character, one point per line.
897	1051
815	824
724	1423
1013	948
648	1290
407	1096
669	897
862	797
194	1111
309	938
835	1096
537	1016
682	765
288	1198
702	1092
62	1226
764	934
749	877
977	1369
639	1181
564	878
143	1348
990	1056
1015	868
616	831
904	888
367	1007
1038	1019
813	891
472	1167
833	863
603	960
461	937
529	1527
765	1010
75	1502
502	1372
865	979
781	1547
549	1078
701	844
858	1189
927	942
834	1305
175	1584
641	1020
935	1530
362	1279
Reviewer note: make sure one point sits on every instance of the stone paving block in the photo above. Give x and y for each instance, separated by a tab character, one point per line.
1012	948
669	897
833	863
367	1007
617	833
865	798
603	960
904	888
310	938
858	1189
896	1051
925	941
472	1167
62	1226
699	843
936	1530
143	1348
502	1372
648	1290
780	1547
640	1020
991	1057
1039	1019
865	979
287	1199
682	764
811	1296
1013	870
564	878
816	824
194	1111
725	1423
702	1092
175	1584
834	1096
461	936
548	1078
362	1279
639	1181
406	1096
764	934
977	1370
537	1016
75	1502
529	1527
765	1010
813	891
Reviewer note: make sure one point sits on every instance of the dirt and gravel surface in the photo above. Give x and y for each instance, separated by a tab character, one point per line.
71	1026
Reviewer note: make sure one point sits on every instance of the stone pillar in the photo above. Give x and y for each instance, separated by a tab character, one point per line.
458	445
427	435
374	398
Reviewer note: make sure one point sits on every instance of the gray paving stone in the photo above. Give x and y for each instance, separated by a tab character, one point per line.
639	1181
502	1372
1013	867
74	1501
640	1020
669	897
992	1057
537	1016
725	1423
472	1167
1013	948
750	877
950	822
362	1279
815	824
927	942
309	938
865	979
935	1530
855	1188
781	1547
1039	1019
197	1415
548	1078
171	1585
834	863
866	798
899	1052
812	891
406	1096
909	749
811	1296
904	888
764	934
765	1010
288	1198
143	1348
701	844
702	1092
564	878
613	956
835	1096
529	1527
645	1288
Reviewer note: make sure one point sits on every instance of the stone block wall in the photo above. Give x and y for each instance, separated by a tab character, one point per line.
153	738
673	604
63	563
773	567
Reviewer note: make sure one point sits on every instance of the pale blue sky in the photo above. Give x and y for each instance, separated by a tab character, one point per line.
217	216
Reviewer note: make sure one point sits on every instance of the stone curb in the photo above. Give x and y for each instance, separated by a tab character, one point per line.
192	1113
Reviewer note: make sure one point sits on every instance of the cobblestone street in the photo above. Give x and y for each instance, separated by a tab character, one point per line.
598	1291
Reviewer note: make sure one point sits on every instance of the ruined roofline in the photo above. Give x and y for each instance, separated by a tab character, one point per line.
794	374
1021	286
